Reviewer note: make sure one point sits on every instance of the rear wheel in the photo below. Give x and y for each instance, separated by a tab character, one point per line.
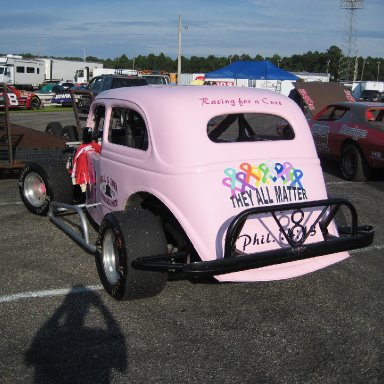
40	184
353	165
69	133
123	237
35	103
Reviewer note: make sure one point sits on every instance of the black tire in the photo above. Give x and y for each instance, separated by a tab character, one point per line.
123	237
40	184
353	165
69	133
34	103
54	128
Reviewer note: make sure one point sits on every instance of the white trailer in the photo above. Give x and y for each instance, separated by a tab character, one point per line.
64	70
22	73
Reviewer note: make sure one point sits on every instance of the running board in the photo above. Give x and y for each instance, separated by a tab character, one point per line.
58	213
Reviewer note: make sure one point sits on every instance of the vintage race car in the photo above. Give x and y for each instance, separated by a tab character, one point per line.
21	99
195	182
353	134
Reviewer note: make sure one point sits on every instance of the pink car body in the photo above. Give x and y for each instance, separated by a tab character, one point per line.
205	184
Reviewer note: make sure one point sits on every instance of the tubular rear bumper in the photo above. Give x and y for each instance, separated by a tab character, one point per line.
298	248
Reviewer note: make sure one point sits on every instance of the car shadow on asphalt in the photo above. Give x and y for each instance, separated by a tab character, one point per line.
332	168
6	174
67	349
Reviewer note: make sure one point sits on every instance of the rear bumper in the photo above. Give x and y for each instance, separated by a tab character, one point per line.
349	238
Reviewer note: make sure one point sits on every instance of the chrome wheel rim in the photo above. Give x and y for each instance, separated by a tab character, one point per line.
35	190
109	258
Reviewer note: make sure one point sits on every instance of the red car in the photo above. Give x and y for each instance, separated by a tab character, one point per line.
353	134
21	99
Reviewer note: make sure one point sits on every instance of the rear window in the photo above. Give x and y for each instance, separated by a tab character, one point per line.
375	115
242	127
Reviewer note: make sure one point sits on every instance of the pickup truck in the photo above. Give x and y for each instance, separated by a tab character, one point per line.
194	182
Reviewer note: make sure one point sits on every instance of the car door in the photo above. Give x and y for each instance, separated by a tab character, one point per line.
98	119
125	154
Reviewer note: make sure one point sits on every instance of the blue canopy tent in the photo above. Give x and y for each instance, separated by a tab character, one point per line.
252	70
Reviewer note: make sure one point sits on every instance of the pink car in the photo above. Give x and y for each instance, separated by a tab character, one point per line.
195	182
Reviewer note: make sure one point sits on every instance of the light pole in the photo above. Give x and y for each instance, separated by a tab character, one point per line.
328	66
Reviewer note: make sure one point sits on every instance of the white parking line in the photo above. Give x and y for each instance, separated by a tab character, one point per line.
49	293
13	203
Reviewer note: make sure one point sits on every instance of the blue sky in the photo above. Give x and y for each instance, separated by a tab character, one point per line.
108	29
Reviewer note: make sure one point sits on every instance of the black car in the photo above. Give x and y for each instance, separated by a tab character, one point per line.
370	95
104	82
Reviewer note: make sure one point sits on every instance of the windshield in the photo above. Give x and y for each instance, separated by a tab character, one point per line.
155	79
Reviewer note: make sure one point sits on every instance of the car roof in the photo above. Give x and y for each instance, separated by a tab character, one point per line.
119	76
359	104
209	100
178	117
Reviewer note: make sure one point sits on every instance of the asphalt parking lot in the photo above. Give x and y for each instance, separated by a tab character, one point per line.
59	326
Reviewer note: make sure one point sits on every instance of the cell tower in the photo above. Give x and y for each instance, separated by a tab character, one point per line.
349	47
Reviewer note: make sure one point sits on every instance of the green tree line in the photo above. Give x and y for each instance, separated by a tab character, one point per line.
366	68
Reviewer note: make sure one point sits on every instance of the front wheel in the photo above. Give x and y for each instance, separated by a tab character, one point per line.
353	165
123	237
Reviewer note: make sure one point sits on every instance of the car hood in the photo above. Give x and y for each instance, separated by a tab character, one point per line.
317	95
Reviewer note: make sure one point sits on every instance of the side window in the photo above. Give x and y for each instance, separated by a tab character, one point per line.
332	113
326	115
30	70
107	84
20	69
98	120
241	127
127	128
339	113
